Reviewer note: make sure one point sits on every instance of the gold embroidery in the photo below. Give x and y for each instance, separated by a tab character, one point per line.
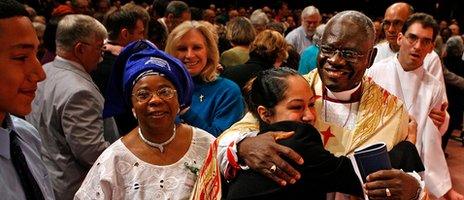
377	107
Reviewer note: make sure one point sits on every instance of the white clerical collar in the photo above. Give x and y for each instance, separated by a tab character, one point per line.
344	95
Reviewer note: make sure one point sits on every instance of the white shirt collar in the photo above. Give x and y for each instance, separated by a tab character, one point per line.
344	95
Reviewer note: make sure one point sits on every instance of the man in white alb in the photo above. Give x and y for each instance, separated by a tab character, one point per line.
404	76
394	19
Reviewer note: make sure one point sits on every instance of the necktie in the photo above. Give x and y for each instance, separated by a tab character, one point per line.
30	186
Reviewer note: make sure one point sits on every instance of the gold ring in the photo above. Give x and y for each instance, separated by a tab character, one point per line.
273	168
387	192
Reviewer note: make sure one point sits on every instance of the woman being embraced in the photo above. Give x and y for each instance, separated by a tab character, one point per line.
217	102
159	159
282	100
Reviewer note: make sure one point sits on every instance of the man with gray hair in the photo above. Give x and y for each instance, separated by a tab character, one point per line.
259	20
67	110
454	46
302	36
453	62
308	60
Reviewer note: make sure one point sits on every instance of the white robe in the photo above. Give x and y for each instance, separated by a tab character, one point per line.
421	92
383	51
432	64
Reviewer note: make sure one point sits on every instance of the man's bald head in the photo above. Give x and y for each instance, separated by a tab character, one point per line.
360	22
401	7
394	18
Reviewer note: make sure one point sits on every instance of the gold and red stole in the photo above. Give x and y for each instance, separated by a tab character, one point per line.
208	184
381	117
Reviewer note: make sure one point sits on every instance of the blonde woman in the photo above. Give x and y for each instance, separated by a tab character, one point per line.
217	102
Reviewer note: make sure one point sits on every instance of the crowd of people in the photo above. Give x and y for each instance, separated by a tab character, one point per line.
109	99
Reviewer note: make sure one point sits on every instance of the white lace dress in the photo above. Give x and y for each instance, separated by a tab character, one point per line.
119	174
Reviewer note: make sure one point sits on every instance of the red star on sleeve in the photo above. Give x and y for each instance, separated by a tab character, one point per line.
327	134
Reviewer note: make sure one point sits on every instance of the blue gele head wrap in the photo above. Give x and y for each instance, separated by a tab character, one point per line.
139	57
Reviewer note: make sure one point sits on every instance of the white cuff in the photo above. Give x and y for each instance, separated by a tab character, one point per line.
224	146
421	190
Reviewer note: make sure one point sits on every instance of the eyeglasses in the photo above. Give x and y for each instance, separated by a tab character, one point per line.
397	24
309	22
99	47
348	55
413	39
144	96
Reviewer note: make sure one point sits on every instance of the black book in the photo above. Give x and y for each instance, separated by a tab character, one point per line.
372	158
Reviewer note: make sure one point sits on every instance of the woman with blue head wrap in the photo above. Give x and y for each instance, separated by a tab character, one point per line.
159	158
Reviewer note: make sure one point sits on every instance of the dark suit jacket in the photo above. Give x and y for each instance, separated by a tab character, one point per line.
455	65
125	121
101	75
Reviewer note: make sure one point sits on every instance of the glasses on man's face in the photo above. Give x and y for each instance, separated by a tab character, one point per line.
98	47
144	96
348	55
413	39
311	22
397	24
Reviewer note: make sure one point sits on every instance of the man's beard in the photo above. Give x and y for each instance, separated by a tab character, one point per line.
310	34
